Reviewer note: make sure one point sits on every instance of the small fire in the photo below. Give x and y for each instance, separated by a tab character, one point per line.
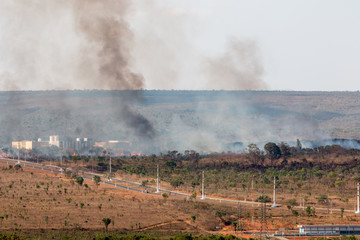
136	154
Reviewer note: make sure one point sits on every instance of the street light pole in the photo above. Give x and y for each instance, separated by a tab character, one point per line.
358	199
274	204
157	180
110	166
203	186
61	161
18	147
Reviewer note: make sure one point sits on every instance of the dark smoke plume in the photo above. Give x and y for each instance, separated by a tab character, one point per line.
103	24
72	44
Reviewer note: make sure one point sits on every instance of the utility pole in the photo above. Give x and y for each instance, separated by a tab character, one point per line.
331	207
203	186
263	228
61	161
252	199
303	203
18	147
157	180
274	204
358	199
239	219
110	167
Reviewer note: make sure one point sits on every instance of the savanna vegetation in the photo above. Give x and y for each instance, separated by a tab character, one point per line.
316	178
310	172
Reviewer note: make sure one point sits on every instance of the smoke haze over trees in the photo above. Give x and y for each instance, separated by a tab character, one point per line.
209	121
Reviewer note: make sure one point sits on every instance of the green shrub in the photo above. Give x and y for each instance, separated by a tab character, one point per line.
263	198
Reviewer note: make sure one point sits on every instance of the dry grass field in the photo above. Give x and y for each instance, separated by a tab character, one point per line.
32	200
35	202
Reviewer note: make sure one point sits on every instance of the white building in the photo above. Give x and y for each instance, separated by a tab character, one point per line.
28	145
24	144
54	141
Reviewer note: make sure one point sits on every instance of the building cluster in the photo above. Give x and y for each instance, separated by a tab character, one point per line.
78	145
332	230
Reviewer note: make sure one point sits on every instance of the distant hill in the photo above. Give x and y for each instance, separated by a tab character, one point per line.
155	120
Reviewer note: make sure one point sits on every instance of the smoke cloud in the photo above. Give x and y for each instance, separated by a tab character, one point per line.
72	44
89	44
103	24
239	68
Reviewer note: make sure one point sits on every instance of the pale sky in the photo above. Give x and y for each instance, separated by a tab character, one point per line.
303	44
189	44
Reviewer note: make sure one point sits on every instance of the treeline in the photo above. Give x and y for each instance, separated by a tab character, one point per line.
295	166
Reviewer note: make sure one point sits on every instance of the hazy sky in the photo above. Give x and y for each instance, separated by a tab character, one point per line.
194	44
304	45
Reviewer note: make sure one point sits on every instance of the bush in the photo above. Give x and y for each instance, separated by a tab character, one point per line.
17	167
12	236
323	199
292	202
144	182
79	180
97	180
177	181
263	198
295	213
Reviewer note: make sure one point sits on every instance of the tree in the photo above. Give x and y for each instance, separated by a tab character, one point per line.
79	180
144	182
263	198
176	181
285	149
106	222
323	199
234	225
165	196
220	215
295	213
255	155
313	211
272	151
308	211
97	179
292	202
